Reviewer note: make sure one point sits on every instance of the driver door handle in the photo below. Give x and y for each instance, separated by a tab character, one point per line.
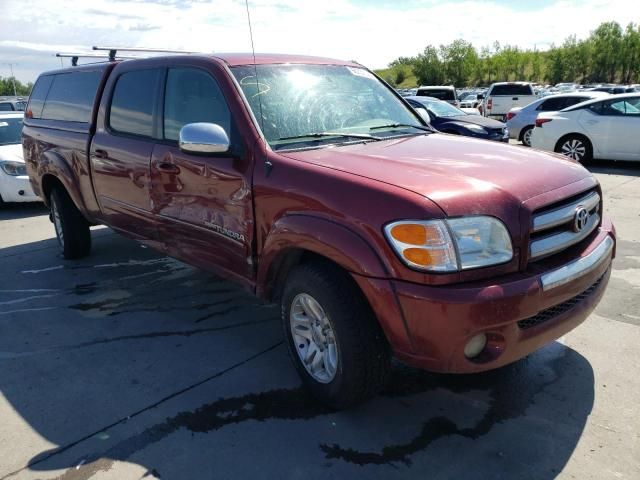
166	167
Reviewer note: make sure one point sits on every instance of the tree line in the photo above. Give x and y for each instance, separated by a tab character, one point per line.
6	86
610	54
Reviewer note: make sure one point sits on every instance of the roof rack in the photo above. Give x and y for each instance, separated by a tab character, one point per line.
114	50
75	56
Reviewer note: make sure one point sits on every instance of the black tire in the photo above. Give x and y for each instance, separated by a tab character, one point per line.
573	145
526	134
72	229
363	353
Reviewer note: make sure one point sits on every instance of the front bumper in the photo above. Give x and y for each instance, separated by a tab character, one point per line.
16	189
518	316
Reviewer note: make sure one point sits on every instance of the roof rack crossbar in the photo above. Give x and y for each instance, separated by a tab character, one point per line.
75	56
114	50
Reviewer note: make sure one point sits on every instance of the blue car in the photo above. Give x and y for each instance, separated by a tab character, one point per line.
449	119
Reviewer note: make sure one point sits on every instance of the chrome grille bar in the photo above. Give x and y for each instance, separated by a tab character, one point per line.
565	213
559	241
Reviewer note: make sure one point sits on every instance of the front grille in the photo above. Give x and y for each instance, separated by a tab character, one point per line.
553	228
552	312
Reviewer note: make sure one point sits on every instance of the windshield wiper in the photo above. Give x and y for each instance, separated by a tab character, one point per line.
332	134
397	125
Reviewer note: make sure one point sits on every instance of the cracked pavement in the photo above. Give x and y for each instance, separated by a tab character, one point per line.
128	364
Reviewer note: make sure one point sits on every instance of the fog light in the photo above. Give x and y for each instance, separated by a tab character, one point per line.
475	346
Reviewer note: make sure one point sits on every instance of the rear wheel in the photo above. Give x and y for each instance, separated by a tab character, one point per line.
576	147
72	229
334	339
526	136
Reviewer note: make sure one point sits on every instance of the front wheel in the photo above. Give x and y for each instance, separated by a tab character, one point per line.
576	147
72	229
334	339
526	136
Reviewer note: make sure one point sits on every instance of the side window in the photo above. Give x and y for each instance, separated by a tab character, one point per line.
613	108
192	95
133	102
71	96
552	105
596	108
632	106
574	101
6	107
38	96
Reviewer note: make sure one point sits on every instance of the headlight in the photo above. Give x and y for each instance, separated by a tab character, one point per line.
475	128
13	168
451	245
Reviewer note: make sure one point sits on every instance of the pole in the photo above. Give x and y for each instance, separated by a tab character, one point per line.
15	93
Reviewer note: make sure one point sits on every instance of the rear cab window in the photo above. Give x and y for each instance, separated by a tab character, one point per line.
439	93
66	96
511	89
71	96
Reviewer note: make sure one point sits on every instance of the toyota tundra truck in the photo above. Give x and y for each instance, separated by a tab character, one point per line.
313	184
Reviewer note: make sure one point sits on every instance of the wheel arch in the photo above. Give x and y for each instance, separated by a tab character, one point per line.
523	130
295	239
573	134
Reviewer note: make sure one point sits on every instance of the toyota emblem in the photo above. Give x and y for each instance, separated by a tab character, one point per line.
580	219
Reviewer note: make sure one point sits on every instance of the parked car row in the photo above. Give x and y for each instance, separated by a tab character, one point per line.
13	104
522	120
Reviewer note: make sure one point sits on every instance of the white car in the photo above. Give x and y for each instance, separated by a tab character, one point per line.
14	182
601	128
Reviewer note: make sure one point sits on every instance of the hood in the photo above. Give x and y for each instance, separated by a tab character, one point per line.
462	175
12	153
475	119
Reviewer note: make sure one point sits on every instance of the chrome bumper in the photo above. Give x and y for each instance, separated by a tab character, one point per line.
579	267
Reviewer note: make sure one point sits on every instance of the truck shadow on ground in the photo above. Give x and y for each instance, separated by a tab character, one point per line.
521	421
12	211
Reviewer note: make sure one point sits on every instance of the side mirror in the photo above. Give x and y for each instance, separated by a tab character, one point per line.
203	138
424	114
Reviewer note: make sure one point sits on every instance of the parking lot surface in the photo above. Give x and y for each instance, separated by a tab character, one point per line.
128	364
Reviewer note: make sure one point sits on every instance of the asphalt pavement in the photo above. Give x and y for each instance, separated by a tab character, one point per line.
131	365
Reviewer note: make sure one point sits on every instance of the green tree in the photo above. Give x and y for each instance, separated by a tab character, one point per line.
609	54
607	43
428	67
6	86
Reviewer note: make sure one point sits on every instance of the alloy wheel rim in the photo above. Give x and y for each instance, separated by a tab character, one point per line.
314	338
57	223
574	149
527	138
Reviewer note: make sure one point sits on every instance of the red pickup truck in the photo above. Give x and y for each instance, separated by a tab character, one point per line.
313	184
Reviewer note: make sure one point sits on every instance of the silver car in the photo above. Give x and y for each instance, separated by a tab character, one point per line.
521	120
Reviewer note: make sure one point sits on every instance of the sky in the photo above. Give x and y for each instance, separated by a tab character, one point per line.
372	32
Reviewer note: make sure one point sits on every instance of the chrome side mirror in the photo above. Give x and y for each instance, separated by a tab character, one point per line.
203	138
424	114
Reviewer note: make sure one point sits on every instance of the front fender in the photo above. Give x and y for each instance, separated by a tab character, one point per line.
323	237
346	248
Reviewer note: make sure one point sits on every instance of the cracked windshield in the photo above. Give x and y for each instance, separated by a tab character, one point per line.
302	104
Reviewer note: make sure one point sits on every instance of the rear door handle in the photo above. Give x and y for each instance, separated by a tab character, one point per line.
166	167
514	98
99	153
